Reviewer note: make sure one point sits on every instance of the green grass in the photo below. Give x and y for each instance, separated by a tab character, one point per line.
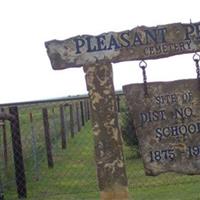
168	186
74	176
189	191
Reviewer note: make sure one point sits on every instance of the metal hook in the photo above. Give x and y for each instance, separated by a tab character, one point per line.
143	64
196	57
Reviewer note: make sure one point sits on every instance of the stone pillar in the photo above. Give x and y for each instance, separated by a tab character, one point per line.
109	157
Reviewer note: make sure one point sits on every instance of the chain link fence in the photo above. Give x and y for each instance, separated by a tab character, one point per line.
46	152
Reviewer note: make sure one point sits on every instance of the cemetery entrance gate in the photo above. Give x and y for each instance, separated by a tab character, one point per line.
95	54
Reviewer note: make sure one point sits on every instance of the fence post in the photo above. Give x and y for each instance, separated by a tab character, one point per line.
62	128
47	138
5	148
34	147
67	121
1	190
88	108
71	119
17	153
54	134
118	103
78	116
82	113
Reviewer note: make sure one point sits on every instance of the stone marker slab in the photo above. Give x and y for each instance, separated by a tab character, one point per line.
167	123
139	43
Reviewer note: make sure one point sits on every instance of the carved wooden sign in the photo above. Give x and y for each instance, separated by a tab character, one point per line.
167	123
139	43
95	54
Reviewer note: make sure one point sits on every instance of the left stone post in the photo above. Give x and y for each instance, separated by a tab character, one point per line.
109	157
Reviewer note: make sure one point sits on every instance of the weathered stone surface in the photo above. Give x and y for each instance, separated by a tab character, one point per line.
96	53
167	122
139	43
107	136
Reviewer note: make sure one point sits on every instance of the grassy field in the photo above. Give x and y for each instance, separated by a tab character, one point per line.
74	176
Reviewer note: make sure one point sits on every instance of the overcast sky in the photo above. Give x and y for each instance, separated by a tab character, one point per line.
25	70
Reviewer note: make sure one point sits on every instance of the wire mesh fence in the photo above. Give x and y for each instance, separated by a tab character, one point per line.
37	141
46	152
